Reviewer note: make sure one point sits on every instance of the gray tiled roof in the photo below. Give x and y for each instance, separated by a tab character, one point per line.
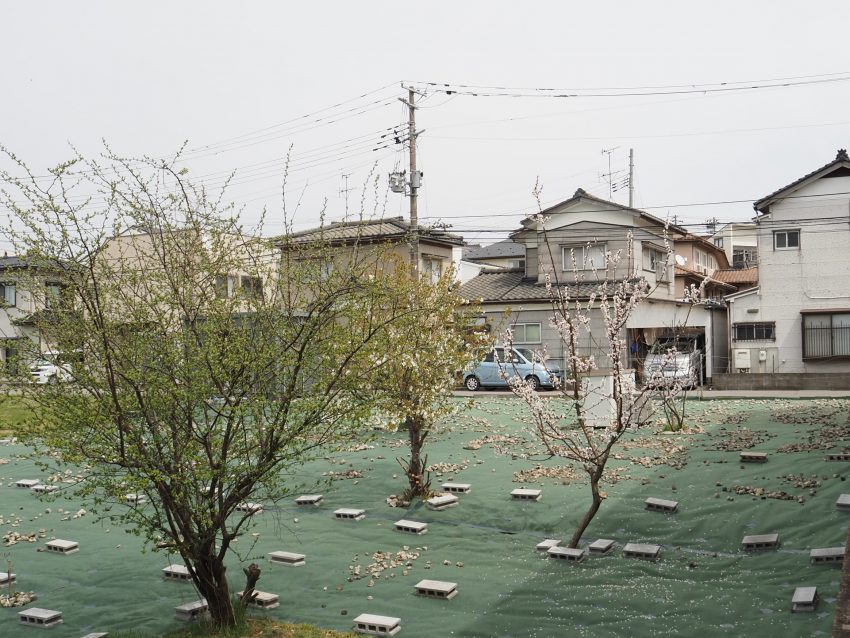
388	228
512	285
501	249
841	161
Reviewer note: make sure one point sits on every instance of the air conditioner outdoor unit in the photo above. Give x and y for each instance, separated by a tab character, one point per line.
742	358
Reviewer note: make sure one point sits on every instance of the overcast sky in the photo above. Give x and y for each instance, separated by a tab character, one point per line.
233	78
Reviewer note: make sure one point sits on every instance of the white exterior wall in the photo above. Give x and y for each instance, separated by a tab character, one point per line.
817	276
742	235
747	309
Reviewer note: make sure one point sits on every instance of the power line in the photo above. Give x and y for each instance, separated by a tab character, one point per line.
549	92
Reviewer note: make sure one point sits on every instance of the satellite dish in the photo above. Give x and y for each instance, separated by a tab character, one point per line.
681	261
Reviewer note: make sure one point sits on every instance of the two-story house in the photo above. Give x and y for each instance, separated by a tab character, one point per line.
797	319
18	307
581	230
437	250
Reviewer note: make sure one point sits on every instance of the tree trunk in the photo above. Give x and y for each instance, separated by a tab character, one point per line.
591	512
212	585
415	470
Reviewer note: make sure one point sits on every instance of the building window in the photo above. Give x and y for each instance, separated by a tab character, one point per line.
651	259
11	358
252	287
786	239
588	257
755	331
53	295
516	263
432	269
744	257
826	335
718	241
8	294
225	286
526	333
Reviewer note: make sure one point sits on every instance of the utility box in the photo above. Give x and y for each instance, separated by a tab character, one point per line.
742	359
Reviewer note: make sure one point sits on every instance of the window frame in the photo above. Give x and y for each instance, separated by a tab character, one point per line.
5	286
785	232
254	289
582	263
525	325
831	329
428	270
755	325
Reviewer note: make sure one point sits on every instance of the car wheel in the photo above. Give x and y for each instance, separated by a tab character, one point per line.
472	383
533	381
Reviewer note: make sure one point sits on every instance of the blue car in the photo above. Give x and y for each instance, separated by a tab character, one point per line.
514	362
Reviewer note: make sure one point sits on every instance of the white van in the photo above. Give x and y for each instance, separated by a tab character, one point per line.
50	368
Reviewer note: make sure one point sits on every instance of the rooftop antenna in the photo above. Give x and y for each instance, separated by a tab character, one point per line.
345	191
609	174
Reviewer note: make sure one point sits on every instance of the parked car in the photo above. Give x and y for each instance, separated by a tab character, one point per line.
50	368
663	367
514	362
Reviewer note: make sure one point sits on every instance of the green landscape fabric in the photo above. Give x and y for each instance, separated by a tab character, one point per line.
703	583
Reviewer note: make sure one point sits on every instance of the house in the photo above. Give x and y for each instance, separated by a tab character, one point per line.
437	250
583	228
19	305
502	254
796	320
740	243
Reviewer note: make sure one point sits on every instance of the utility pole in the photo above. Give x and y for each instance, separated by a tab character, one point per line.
631	177
415	177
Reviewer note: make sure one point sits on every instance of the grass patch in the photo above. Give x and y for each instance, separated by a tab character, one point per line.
14	411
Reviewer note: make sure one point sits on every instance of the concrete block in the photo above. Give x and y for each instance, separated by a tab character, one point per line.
843	502
377	625
309	499
753	457
264	600
38	617
177	572
544	545
135	499
804	599
345	513
838	456
523	494
457	488
289	559
190	611
250	508
566	553
760	541
60	546
641	550
436	589
43	489
827	555
27	483
601	546
7	579
439	503
411	527
661	505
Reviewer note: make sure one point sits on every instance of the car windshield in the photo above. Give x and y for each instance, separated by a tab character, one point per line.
683	346
527	353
